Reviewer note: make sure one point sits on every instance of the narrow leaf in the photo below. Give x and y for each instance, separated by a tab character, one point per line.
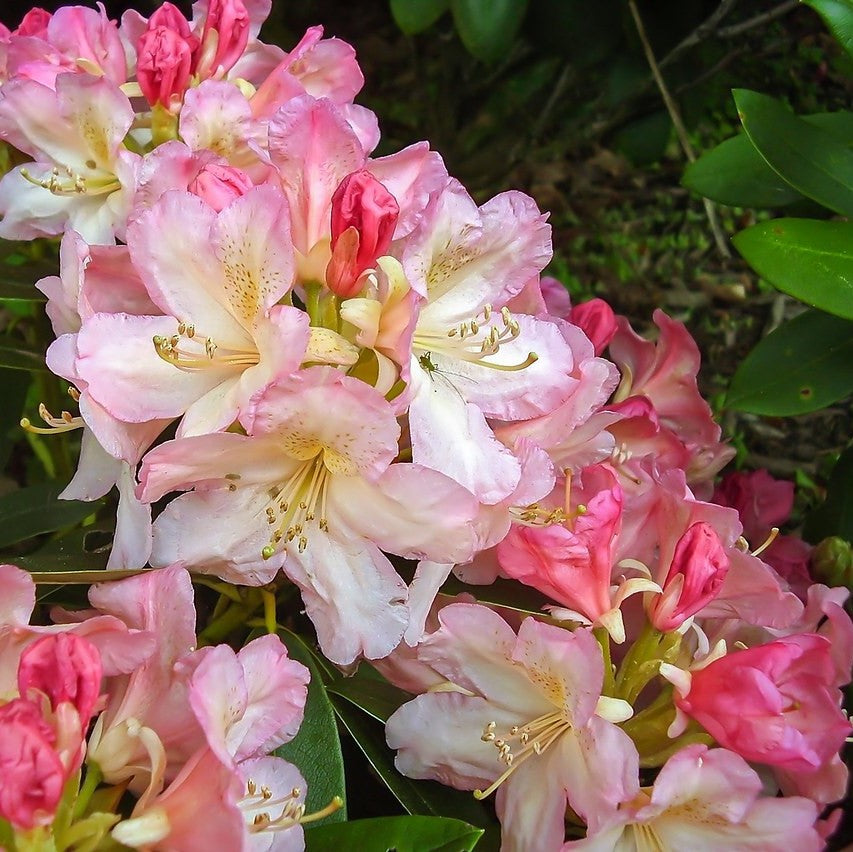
809	259
31	511
316	749
813	161
803	365
377	698
17	355
395	834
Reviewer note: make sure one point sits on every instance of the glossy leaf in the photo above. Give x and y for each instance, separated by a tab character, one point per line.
838	16
377	698
488	27
835	515
17	355
806	258
813	161
427	798
803	365
316	749
414	16
34	510
395	834
506	593
734	173
81	550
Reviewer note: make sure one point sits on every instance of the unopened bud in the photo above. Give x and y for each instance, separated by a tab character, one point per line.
832	562
218	185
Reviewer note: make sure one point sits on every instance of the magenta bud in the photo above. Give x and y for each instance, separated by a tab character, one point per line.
597	321
163	65
218	185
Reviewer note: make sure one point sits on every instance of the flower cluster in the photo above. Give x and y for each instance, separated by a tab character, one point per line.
313	360
187	730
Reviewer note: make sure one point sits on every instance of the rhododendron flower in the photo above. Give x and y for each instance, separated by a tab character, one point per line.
774	704
707	799
521	714
597	320
82	175
222	335
317	496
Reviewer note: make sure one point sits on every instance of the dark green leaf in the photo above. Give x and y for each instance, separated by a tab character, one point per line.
316	749
835	515
31	511
427	798
79	550
838	16
488	27
803	365
806	258
816	163
644	140
14	385
395	834
734	173
17	355
377	698
414	16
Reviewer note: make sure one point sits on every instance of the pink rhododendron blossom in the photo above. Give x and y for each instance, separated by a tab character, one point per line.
699	566
774	704
762	502
521	715
65	668
364	216
292	494
218	185
707	799
597	320
31	774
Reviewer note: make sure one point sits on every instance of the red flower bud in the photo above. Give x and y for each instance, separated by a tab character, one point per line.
163	66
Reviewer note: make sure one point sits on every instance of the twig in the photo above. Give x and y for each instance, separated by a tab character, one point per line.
680	129
706	28
758	20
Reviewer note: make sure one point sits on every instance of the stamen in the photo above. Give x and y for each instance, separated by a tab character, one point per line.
202	352
64	423
292	811
65	181
535	737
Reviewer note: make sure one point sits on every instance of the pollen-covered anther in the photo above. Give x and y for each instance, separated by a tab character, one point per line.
535	515
65	181
190	351
66	422
534	737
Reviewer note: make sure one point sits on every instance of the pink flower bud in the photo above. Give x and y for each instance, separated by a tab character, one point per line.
31	773
171	17
556	297
34	23
364	216
774	704
64	667
218	185
163	65
224	38
597	321
697	571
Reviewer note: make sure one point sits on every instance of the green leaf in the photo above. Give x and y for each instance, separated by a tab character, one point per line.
488	27
427	798
35	510
734	173
316	749
17	355
80	550
507	593
395	834
806	258
803	365
377	698
414	16
813	161
838	16
835	515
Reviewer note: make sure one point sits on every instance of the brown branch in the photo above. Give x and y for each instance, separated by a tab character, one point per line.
680	129
707	28
758	20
